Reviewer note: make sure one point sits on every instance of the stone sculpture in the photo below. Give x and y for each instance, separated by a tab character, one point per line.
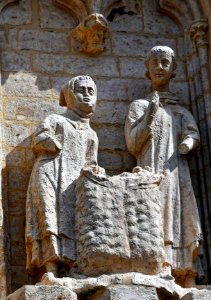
159	132
63	145
118	223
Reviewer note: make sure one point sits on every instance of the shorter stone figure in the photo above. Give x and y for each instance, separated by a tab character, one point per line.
159	132
63	144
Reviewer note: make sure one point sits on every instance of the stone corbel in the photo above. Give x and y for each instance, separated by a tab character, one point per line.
91	16
90	34
4	3
199	32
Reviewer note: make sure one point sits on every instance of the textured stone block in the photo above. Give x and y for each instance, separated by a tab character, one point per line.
25	85
15	62
110	161
126	23
111	138
110	113
132	68
127	293
204	294
29	292
43	41
54	17
48	63
95	66
137	45
18	14
29	109
156	22
16	134
112	89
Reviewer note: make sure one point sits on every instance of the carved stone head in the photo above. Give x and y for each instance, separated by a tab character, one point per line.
89	36
79	95
160	64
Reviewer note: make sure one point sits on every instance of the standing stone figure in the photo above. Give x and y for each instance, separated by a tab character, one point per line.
63	144
159	132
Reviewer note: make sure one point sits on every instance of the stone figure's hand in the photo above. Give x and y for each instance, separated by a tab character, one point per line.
153	107
154	103
186	146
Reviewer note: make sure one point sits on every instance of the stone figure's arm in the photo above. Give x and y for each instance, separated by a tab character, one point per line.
190	133
138	126
91	157
44	139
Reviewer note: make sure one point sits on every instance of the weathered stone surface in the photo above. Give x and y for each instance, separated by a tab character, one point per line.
129	293
53	17
155	22
112	89
67	143
13	62
132	68
30	292
118	223
42	40
135	45
126	23
204	294
116	141
110	161
16	85
110	112
19	109
16	134
158	133
17	14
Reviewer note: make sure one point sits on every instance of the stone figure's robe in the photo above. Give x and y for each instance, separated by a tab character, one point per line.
156	145
64	144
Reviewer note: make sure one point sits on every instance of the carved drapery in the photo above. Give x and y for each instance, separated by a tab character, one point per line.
193	17
91	16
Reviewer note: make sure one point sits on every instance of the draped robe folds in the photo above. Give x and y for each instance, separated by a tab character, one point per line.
155	145
64	144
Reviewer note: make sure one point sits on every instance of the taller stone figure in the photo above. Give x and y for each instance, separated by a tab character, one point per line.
159	132
64	144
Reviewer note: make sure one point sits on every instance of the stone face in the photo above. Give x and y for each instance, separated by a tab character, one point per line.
159	132
63	145
118	223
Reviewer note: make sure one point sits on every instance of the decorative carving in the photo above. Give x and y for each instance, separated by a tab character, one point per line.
63	145
159	132
90	35
119	223
4	3
199	32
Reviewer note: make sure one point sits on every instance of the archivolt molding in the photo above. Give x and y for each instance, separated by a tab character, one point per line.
4	3
91	16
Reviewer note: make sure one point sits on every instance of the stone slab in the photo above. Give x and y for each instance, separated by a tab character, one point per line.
40	292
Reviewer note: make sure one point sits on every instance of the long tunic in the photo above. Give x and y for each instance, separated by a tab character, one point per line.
155	145
64	144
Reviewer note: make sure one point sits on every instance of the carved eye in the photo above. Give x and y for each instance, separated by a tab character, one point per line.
91	91
165	62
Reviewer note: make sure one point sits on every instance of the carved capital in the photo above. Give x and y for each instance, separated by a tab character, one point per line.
199	32
89	36
4	3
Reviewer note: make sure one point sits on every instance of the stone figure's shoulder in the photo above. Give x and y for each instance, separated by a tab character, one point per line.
140	103
182	110
54	118
138	107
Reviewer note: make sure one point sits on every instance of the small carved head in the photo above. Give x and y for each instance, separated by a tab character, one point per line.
79	95
160	64
89	36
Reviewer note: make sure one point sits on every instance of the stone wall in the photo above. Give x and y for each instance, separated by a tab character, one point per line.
37	59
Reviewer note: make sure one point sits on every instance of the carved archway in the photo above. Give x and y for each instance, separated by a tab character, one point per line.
195	19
